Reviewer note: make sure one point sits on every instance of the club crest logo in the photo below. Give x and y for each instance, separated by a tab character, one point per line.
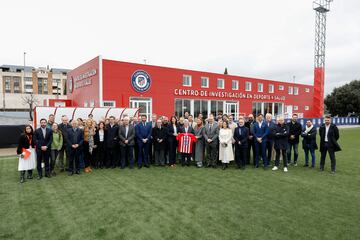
140	81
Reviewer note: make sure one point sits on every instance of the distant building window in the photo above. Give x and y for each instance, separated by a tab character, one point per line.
7	85
220	83
296	91
204	82
186	80
307	90
109	103
248	86
296	108
291	90
281	87
16	84
235	85
260	87
271	88
307	108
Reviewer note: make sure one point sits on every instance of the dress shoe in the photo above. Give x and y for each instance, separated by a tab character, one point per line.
48	175
39	177
77	172
147	165
70	173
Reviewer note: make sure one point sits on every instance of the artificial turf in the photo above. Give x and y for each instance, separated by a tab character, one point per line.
187	202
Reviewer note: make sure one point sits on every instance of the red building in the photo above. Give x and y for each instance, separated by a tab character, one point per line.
169	91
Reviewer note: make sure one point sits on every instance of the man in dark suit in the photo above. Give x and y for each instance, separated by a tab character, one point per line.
270	138
241	135
63	127
75	139
143	132
295	129
43	139
127	142
261	131
112	143
211	136
329	135
251	141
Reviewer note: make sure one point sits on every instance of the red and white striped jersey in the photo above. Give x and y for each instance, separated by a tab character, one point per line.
186	141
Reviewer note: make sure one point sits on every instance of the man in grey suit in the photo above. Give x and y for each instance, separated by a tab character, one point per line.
211	135
127	142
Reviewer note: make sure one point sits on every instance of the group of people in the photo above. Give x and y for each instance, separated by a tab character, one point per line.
79	144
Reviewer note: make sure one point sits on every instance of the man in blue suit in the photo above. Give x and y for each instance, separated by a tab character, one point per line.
143	132
261	131
74	141
43	139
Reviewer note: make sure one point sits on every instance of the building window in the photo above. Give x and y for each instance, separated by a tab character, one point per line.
271	88
7	85
186	80
40	86
248	86
290	90
235	85
296	91
267	107
281	87
45	82
109	103
306	108
220	83
204	82
260	87
307	90
296	108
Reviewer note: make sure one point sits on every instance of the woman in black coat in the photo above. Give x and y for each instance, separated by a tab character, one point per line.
309	143
100	145
26	146
280	134
172	131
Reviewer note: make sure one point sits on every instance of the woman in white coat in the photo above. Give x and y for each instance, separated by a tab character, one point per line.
226	153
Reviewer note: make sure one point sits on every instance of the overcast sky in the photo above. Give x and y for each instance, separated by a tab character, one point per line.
265	39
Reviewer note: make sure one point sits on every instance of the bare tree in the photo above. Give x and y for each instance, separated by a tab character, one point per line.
30	100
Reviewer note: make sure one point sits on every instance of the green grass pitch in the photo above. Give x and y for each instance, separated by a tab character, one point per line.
187	203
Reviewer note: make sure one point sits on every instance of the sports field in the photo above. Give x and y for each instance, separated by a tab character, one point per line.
187	203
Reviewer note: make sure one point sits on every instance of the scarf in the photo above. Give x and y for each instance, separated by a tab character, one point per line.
308	129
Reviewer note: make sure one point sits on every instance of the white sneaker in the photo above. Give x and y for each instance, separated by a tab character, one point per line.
285	169
275	168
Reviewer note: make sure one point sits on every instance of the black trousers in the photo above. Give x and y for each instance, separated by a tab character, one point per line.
87	155
43	155
127	155
332	157
240	156
269	147
74	154
100	155
185	159
251	145
112	157
277	157
172	151
212	154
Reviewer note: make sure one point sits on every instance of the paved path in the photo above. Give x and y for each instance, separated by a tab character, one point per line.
7	152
